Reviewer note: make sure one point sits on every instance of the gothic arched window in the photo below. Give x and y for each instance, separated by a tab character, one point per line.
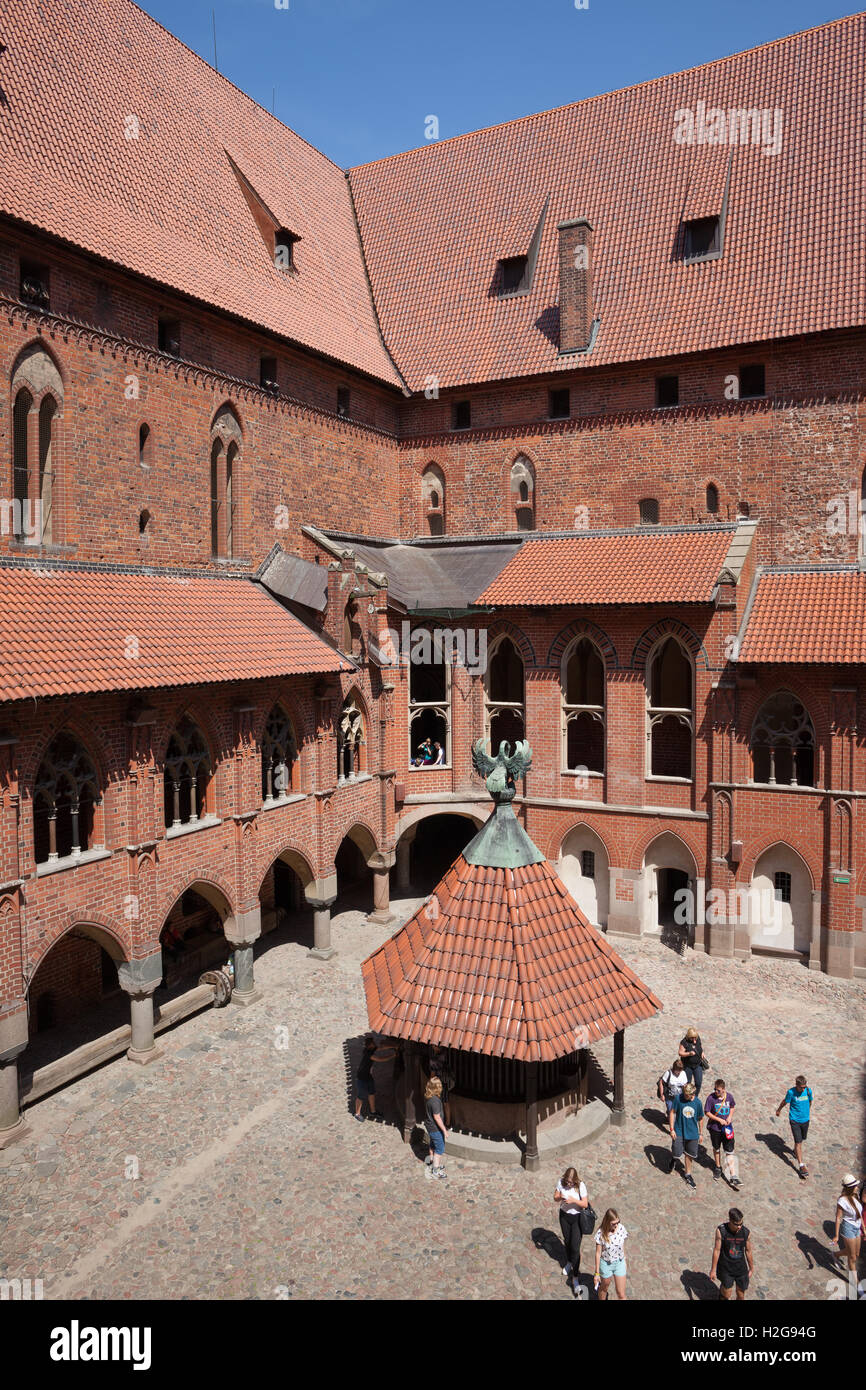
783	743
279	756
225	446
433	499
670	718
65	796
583	707
37	397
523	493
351	742
504	695
187	776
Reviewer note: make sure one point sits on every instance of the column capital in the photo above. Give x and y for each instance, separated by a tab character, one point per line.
140	978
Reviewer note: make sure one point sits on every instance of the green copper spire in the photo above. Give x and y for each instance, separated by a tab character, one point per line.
502	843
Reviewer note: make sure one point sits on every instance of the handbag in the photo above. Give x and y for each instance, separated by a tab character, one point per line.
705	1064
586	1219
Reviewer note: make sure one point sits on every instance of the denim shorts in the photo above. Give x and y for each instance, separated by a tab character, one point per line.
607	1271
850	1229
437	1140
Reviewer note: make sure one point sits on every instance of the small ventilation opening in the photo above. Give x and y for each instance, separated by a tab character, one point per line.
667	390
712	498
268	375
34	284
560	403
168	336
144	446
461	415
752	380
143	522
343	399
648	509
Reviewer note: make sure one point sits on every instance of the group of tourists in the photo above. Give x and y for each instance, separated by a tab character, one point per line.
732	1261
429	754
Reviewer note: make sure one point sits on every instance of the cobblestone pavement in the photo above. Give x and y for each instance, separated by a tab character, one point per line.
255	1181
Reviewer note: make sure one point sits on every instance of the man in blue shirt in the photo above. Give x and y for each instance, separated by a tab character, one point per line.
686	1117
799	1097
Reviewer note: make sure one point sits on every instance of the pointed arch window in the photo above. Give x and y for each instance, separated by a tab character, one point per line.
670	711
187	776
523	493
783	743
37	397
648	511
226	439
279	757
66	794
504	695
861	549
429	702
712	499
433	499
351	742
583	715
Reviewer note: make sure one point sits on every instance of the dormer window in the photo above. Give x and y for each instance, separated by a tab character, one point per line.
513	274
284	249
702	237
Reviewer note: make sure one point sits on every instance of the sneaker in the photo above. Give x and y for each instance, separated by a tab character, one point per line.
360	1119
566	1271
804	1171
690	1180
439	1173
735	1184
717	1173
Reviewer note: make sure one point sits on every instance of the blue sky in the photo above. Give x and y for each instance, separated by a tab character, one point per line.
358	78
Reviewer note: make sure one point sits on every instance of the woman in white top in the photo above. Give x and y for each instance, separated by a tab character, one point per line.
849	1211
610	1241
571	1197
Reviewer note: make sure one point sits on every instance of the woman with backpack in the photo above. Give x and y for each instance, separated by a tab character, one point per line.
671	1083
574	1212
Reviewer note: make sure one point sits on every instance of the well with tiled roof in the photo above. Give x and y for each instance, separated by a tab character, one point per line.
500	967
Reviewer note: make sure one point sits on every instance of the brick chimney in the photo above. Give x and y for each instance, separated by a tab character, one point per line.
575	285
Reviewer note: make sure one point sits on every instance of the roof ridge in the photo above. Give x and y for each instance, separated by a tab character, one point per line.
229	83
615	91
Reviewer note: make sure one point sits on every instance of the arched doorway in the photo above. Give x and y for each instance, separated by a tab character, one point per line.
74	996
436	844
669	889
354	874
584	869
780	902
283	902
193	935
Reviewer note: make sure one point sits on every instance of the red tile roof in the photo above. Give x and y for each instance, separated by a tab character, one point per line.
808	616
651	566
70	631
435	220
508	966
168	205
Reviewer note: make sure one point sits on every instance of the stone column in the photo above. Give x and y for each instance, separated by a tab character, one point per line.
815	943
617	1116
140	978
699	942
13	1041
241	932
381	863
531	1160
321	896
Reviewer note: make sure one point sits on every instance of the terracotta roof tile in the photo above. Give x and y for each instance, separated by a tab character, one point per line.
646	566
168	205
68	631
503	983
807	616
614	160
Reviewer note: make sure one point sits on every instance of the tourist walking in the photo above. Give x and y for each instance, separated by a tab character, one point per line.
691	1050
610	1263
799	1097
686	1118
365	1086
434	1123
671	1083
441	1067
572	1198
732	1255
719	1112
849	1227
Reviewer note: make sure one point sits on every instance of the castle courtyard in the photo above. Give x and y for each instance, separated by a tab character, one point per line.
254	1181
